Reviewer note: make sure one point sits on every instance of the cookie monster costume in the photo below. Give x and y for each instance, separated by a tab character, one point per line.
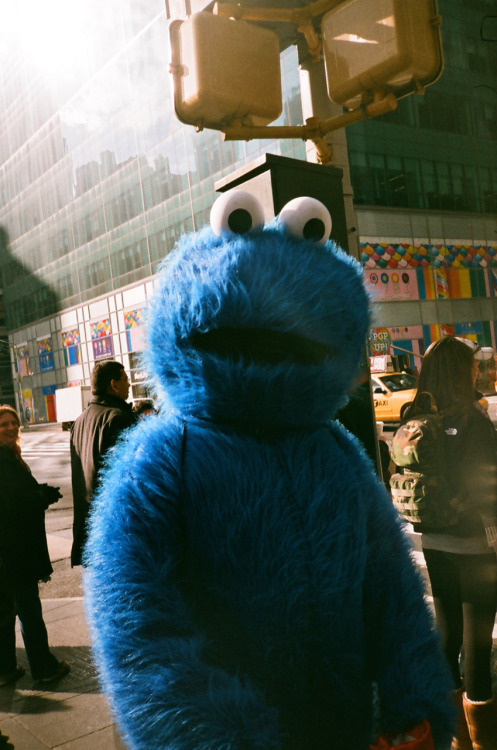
249	585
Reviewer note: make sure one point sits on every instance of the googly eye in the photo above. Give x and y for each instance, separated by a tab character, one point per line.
238	212
307	218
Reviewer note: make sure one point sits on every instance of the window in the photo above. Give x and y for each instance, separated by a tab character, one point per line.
396	181
430	187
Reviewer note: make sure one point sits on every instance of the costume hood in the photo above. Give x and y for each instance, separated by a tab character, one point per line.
259	327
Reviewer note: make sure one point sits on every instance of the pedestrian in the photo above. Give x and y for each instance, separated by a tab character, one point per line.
93	433
4	742
462	564
24	559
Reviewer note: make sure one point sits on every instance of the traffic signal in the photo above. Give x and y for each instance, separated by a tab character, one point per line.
385	45
225	71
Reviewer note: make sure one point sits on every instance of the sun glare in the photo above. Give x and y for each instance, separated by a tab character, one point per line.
50	33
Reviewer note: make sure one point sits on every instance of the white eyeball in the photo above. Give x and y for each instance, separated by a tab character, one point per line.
307	218
238	212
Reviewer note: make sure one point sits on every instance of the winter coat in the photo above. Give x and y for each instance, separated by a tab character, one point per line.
471	456
93	433
23	540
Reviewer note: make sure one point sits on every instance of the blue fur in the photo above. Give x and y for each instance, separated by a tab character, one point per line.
269	280
248	581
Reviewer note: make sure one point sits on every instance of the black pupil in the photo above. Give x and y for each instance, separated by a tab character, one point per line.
314	229
240	221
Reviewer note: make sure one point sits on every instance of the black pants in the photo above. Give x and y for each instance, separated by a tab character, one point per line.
23	600
464	591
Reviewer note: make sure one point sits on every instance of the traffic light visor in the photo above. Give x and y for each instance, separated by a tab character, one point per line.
385	45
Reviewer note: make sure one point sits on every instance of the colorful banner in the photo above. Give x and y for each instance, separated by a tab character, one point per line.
71	344
406	333
27	406
22	359
469	329
430	283
441	283
45	354
135	332
48	392
101	338
492	277
391	285
424	255
380	341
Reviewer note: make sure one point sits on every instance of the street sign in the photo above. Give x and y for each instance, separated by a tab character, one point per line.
380	341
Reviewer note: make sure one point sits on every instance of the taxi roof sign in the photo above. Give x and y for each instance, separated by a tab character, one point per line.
381	364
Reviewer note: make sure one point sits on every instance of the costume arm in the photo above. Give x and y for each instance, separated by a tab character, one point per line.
148	649
404	652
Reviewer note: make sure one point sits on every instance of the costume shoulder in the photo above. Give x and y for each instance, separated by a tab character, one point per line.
132	556
138	481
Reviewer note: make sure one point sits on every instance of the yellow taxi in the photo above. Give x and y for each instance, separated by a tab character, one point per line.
392	393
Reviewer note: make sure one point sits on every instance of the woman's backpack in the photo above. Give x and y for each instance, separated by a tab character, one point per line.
420	490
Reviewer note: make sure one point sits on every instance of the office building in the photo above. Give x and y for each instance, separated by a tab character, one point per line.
98	179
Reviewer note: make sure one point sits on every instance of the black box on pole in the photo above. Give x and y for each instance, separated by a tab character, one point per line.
275	180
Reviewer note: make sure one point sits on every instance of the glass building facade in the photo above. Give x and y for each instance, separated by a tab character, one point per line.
98	179
425	193
438	151
97	176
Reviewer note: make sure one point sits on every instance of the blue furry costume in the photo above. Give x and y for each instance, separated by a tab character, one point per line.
248	581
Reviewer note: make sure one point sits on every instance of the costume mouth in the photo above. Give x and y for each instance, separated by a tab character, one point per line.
260	346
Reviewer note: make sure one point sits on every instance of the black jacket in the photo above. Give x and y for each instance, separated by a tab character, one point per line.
23	540
93	433
471	460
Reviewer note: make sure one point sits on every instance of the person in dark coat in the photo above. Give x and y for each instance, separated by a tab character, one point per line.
93	433
461	560
24	559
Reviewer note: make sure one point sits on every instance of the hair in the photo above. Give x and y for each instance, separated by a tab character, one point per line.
446	374
7	409
145	405
102	374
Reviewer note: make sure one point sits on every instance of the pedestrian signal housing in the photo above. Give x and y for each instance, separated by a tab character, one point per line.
224	71
390	45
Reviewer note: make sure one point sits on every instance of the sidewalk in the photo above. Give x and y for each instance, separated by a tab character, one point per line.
74	714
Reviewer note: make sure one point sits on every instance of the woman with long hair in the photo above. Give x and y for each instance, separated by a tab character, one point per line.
462	564
24	559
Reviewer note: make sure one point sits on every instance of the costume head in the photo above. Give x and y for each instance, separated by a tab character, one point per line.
255	324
